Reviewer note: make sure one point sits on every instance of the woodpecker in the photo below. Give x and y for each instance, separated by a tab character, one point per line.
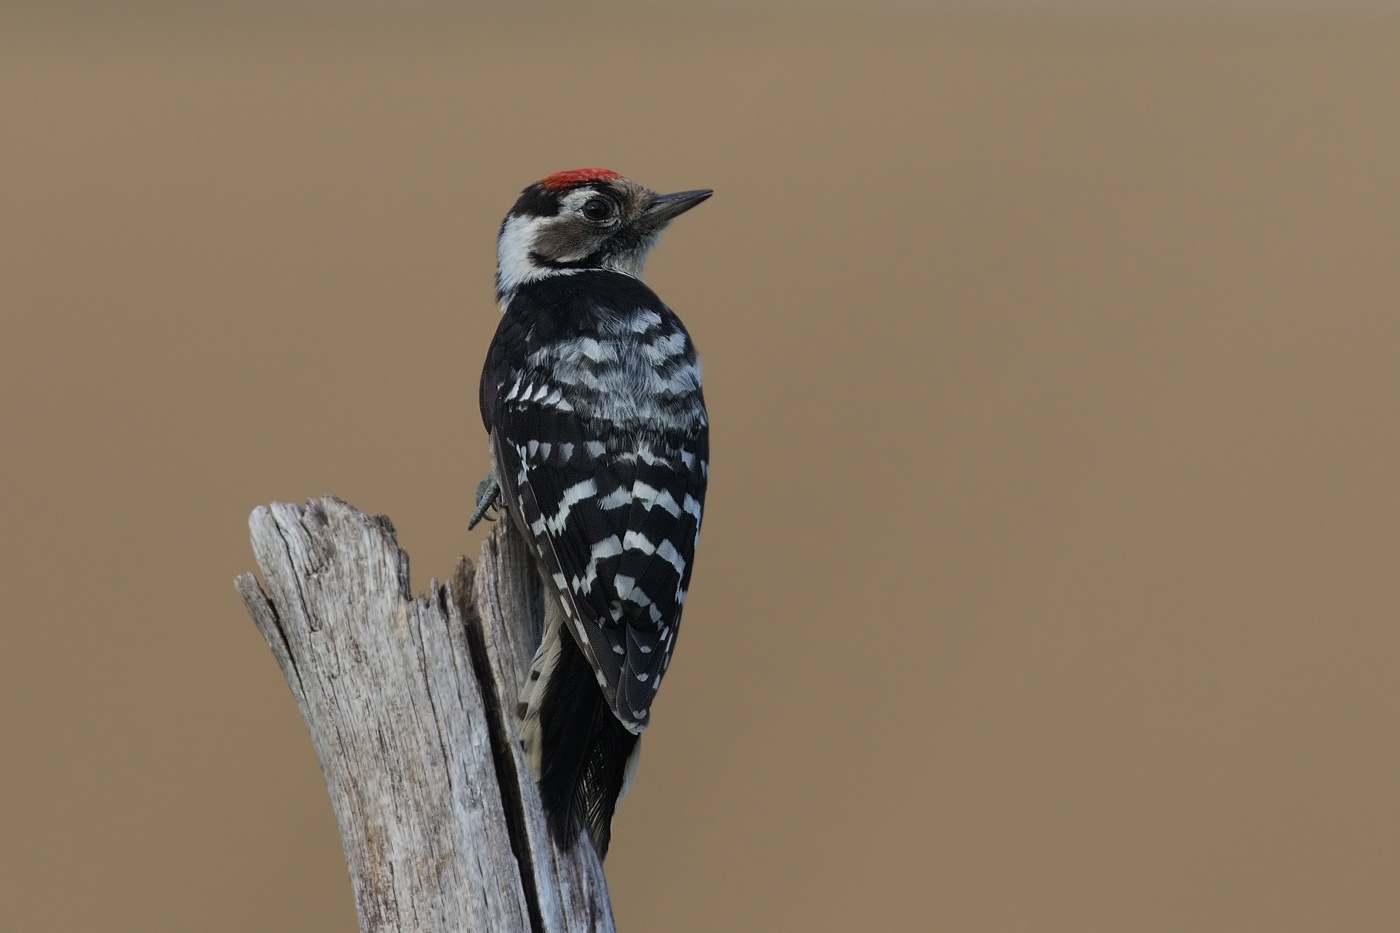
599	445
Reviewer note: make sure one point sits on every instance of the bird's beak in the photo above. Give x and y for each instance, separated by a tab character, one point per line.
668	206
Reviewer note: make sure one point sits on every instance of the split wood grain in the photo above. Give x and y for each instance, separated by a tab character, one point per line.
410	702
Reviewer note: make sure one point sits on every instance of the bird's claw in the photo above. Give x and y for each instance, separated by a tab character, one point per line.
488	497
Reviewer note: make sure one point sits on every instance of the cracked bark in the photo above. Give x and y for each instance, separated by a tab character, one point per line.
410	702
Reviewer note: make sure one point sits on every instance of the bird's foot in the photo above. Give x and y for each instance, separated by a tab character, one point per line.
488	497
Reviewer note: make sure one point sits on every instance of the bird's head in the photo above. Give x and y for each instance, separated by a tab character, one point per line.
587	218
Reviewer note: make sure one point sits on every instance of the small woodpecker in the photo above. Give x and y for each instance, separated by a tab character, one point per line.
600	454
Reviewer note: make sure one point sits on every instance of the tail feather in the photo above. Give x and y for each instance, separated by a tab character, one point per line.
587	755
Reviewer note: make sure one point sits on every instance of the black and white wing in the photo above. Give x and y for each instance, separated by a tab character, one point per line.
601	447
616	530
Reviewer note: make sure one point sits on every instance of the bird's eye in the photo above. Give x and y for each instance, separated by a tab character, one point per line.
597	209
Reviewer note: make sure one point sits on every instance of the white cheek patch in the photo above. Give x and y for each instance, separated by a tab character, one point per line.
513	264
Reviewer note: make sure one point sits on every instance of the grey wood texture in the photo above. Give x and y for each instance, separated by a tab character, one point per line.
410	702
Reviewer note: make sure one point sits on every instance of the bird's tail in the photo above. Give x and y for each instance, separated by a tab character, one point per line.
582	756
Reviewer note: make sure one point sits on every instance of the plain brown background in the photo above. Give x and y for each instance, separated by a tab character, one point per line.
1049	576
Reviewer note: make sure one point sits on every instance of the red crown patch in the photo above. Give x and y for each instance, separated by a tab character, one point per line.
577	176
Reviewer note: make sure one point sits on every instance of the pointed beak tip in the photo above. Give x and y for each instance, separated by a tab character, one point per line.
668	206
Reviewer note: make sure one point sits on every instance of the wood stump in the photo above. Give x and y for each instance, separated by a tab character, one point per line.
411	705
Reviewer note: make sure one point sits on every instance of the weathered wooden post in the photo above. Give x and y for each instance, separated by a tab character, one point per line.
410	702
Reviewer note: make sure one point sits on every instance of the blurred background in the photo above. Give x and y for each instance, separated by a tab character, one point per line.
1049	577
